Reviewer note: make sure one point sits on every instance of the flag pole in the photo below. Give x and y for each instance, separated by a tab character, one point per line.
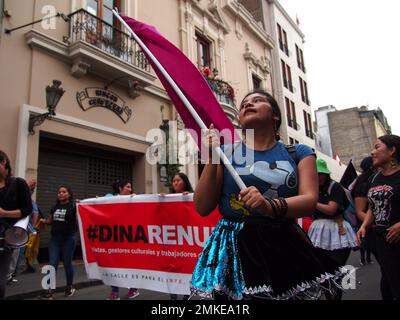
185	101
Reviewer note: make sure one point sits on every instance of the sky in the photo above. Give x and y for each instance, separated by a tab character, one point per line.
352	53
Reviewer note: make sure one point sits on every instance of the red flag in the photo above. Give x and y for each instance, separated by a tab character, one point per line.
297	20
188	78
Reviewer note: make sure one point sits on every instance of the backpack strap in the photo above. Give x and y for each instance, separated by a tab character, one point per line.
291	149
331	184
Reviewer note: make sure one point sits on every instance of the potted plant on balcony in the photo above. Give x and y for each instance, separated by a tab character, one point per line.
223	90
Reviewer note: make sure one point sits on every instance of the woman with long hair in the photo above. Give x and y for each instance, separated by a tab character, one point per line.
384	210
180	184
64	229
15	203
257	251
122	187
359	194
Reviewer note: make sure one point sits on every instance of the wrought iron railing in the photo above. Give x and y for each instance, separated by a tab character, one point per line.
88	28
223	91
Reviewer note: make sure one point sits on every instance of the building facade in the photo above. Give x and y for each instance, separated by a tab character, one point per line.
352	132
323	134
112	97
290	74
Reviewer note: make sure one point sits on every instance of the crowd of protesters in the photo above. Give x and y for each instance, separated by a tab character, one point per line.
261	249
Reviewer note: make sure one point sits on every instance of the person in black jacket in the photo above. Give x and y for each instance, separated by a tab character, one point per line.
15	203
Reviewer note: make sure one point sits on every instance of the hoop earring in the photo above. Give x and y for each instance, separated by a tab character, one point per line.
394	163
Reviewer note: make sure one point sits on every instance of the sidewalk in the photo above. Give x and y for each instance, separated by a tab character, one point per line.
29	285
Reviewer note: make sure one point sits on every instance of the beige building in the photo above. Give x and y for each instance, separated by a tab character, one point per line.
290	86
112	97
354	131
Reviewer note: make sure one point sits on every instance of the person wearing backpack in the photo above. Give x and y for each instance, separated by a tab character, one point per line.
384	210
15	203
330	233
257	250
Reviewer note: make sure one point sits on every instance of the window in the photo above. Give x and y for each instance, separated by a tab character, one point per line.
203	51
308	125
1	13
300	59
256	82
291	140
288	112
283	65
280	37
287	76
283	43
291	113
103	10
304	91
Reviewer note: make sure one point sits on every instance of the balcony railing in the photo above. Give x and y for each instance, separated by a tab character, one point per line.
223	91
90	29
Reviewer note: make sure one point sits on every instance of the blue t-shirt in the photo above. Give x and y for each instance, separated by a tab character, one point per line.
273	172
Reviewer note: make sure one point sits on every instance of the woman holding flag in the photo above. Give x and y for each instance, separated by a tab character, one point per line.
257	250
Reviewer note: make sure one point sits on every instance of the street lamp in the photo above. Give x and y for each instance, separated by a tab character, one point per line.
53	96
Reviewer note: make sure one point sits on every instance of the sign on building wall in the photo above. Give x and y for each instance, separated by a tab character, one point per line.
102	98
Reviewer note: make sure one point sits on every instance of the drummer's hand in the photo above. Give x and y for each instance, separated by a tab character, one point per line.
162	194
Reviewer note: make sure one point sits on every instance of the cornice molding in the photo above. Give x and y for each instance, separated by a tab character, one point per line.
240	12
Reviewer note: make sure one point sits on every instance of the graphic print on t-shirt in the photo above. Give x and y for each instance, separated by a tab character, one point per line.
276	174
59	215
379	197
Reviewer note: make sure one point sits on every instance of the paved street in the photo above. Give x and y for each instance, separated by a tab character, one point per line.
29	285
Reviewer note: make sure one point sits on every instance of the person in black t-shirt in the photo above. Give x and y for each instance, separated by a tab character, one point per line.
15	203
359	194
329	232
63	237
384	209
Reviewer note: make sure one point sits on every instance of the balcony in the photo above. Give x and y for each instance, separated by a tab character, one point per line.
225	95
97	47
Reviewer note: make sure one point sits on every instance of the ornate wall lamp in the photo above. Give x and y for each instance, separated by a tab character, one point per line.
53	96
